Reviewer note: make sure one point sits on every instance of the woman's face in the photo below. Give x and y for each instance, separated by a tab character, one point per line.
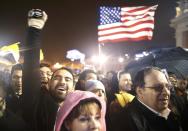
89	120
99	93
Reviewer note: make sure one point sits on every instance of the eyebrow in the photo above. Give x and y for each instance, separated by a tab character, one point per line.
68	77
63	76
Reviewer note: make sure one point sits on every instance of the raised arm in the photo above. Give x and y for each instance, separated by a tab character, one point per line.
31	80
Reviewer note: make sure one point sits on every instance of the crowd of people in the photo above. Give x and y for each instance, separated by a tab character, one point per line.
38	98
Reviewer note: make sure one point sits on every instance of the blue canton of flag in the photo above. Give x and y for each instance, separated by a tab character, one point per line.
109	15
126	23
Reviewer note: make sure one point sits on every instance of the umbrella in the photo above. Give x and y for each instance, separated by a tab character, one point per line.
174	60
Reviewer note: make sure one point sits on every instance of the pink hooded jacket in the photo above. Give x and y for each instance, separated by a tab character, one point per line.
71	101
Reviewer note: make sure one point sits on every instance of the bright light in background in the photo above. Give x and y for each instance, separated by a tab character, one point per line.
102	59
145	53
126	55
136	58
3	53
120	59
139	55
57	65
94	59
75	55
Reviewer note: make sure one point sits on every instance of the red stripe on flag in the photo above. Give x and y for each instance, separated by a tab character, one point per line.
132	27
124	26
144	16
127	39
142	8
127	32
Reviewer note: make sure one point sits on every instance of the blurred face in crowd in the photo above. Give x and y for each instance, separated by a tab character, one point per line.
156	91
16	82
61	84
45	76
89	119
125	82
91	76
2	96
99	93
109	76
173	79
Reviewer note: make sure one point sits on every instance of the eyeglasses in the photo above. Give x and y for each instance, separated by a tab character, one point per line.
160	87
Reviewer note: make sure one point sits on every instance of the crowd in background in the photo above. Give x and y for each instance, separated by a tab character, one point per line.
35	97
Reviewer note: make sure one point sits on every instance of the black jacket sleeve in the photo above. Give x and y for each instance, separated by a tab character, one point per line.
31	79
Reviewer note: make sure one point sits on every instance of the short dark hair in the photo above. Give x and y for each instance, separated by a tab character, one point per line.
139	78
16	67
121	73
64	68
45	64
81	77
83	74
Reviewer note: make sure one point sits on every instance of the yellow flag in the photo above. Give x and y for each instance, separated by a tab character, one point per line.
14	48
41	55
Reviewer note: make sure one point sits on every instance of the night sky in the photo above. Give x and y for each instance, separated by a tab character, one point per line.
72	24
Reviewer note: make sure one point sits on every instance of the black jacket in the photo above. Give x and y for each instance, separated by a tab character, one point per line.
13	103
39	109
12	122
136	117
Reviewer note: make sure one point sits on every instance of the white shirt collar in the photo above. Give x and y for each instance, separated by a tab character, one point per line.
157	113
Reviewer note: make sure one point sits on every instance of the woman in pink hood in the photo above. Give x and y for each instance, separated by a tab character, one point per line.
81	111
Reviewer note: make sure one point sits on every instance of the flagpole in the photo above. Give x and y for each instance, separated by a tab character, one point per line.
100	55
99	49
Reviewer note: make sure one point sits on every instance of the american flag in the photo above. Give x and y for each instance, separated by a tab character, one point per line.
126	24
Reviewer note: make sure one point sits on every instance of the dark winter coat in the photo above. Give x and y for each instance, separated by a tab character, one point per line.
137	117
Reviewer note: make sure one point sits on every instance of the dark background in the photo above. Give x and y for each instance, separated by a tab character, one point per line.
72	24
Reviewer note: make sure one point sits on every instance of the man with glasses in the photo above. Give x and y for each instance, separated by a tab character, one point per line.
149	109
45	75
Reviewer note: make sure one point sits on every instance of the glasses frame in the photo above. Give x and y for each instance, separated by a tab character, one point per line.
160	87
